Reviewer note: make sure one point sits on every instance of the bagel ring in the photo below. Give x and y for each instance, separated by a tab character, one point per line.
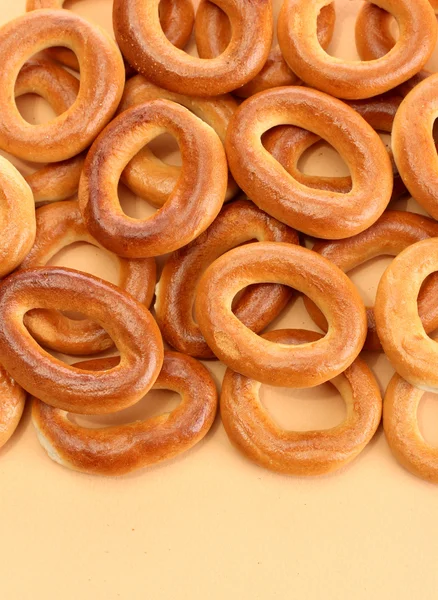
237	223
412	353
213	33
128	322
17	220
392	233
146	175
276	364
121	449
320	213
143	43
353	80
176	17
59	225
252	430
193	204
374	38
54	181
400	423
12	401
101	87
413	144
287	144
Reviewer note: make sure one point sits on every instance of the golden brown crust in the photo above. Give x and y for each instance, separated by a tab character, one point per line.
146	175
121	449
193	204
392	233
400	422
252	430
55	181
59	225
237	223
102	80
127	321
176	17
213	34
12	401
354	79
413	144
411	351
17	217
287	145
320	213
304	270
374	39
141	39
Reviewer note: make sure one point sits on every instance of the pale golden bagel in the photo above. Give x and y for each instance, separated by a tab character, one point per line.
392	233
252	430
374	38
320	213
287	144
297	36
411	351
276	364
17	217
12	401
413	144
400	422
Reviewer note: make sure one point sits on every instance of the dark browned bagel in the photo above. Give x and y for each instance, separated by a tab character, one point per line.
213	34
120	449
143	43
128	322
59	225
102	81
193	204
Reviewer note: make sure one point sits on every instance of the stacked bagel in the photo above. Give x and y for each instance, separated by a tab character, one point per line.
238	233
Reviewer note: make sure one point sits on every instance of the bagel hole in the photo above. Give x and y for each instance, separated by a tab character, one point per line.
366	277
428	418
343	43
317	408
89	259
323	160
34	109
165	147
96	11
155	403
294	316
386	139
133	206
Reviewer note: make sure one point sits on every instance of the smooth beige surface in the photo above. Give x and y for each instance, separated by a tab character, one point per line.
210	524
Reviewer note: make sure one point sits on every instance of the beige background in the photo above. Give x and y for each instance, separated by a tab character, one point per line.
211	524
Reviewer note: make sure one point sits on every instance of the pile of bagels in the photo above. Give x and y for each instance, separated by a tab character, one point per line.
240	229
